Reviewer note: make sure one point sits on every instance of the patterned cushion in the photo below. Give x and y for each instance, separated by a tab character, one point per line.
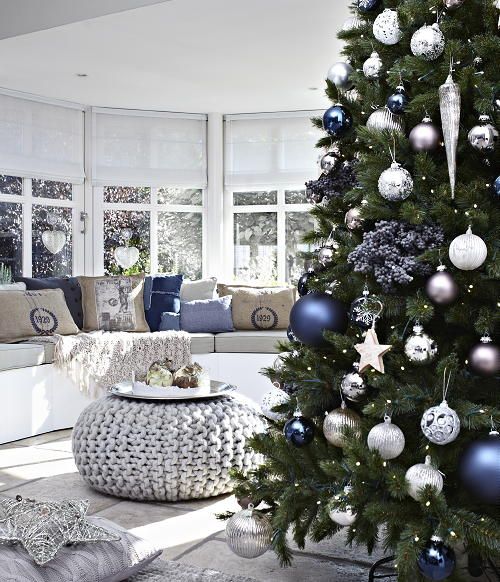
161	294
207	316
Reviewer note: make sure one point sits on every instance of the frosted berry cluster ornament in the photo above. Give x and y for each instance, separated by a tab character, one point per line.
337	421
340	75
299	430
365	310
441	288
372	67
249	533
353	385
436	561
275	397
386	438
329	162
483	137
441	424
422	474
386	27
343	517
428	42
484	357
425	136
419	347
353	219
397	102
395	183
337	121
383	119
468	251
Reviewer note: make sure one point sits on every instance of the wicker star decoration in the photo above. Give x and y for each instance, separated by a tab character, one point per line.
371	352
44	527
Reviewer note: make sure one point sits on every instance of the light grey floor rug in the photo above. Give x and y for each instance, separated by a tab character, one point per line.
162	571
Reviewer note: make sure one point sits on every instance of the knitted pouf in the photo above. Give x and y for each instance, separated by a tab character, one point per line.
164	451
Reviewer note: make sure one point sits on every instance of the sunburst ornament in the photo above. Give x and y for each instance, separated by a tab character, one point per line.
371	352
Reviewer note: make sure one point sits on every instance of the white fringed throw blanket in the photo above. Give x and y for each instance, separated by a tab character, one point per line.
98	360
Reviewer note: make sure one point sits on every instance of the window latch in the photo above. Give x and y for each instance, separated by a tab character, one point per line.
83	220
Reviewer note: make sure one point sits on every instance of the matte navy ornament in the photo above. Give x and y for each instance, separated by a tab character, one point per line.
303	282
480	469
397	102
299	431
337	121
368	5
315	313
496	186
436	561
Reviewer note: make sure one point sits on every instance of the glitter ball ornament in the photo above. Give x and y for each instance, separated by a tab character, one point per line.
468	251
386	438
419	347
368	5
480	469
425	136
483	136
299	430
372	67
422	474
326	254
428	42
484	357
303	282
249	533
441	288
440	424
337	121
386	27
436	561
397	102
337	421
353	385
365	309
382	119
275	397
353	219
395	183
352	23
340	75
343	517
329	162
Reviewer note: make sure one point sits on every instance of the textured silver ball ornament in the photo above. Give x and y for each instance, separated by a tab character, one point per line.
395	183
386	27
468	251
386	438
249	533
326	255
353	219
337	421
419	347
275	397
372	67
340	75
422	474
441	288
428	42
343	517
425	136
440	424
483	136
353	385
382	119
329	162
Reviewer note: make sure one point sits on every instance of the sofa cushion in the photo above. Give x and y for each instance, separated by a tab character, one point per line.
170	321
198	290
161	294
249	342
20	356
202	343
13	286
207	315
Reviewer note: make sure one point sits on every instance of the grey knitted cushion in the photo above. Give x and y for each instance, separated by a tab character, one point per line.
165	451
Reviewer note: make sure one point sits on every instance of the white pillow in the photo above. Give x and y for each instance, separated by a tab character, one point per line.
199	290
13	287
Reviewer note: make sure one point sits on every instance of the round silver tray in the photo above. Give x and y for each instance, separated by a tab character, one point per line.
124	390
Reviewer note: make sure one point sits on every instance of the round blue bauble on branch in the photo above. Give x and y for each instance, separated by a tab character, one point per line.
337	121
315	313
303	282
480	469
299	431
397	102
496	186
368	5
437	560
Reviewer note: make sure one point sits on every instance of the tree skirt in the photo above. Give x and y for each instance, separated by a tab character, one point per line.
161	571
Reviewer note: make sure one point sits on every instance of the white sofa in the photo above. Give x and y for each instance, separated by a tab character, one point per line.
37	397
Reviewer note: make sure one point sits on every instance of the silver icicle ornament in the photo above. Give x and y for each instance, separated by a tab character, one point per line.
428	42
449	105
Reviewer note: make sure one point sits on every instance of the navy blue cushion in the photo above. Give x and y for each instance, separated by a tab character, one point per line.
170	321
70	287
161	294
207	315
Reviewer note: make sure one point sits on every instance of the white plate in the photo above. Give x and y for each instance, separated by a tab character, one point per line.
124	389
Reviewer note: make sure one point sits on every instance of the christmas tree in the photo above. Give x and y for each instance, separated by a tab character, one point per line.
394	333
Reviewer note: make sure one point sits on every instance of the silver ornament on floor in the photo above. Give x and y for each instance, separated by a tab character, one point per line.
343	517
440	424
483	136
441	287
353	219
395	183
449	105
419	347
424	137
386	438
484	357
329	162
386	27
353	385
372	67
428	42
326	255
452	4
249	533
352	23
422	474
340	75
382	119
468	251
337	421
275	397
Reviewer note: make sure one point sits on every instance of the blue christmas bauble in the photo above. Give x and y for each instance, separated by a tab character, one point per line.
303	282
437	560
480	469
368	5
397	102
299	431
496	186
337	121
315	313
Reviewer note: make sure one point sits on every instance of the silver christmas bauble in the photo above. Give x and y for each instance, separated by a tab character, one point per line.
343	517
382	119
275	397
325	255
422	474
386	27
278	363
395	183
428	42
372	67
337	421
249	533
386	438
419	347
329	162
441	288
440	424
340	75
353	218
468	251
425	136
484	136
452	4
353	385
484	357
352	23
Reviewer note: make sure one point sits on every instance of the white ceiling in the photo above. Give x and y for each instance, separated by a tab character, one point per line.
225	56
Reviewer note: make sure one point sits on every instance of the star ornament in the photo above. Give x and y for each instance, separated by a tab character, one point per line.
44	527
371	352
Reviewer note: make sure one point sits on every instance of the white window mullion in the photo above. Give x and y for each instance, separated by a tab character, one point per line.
153	232
281	236
27	228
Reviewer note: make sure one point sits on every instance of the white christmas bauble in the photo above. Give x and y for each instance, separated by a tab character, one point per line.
54	240
372	66
337	421
340	75
386	27
428	42
440	424
249	533
395	183
270	400
343	517
419	347
386	438
468	251
422	474
126	257
382	119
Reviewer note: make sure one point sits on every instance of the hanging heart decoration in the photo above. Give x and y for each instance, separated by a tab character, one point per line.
54	240
126	257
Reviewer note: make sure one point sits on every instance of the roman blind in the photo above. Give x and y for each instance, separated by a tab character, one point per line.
275	149
137	148
39	139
